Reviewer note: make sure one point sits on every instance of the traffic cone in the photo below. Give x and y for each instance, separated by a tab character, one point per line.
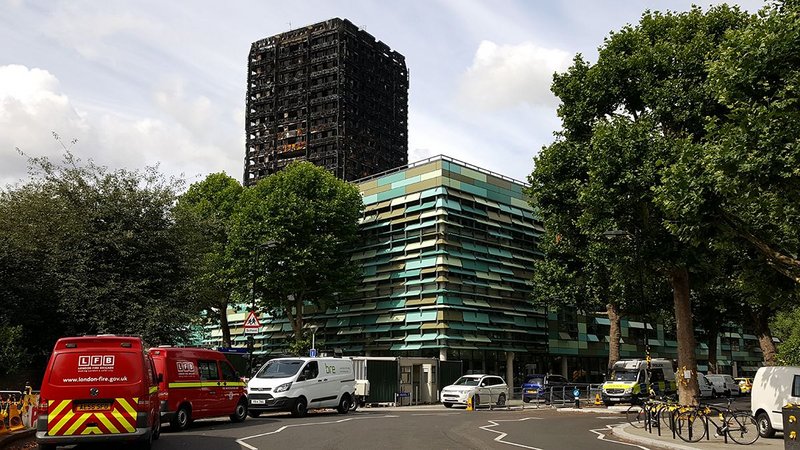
597	400
14	420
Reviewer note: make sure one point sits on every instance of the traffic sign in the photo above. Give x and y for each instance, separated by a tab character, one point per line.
312	353
251	324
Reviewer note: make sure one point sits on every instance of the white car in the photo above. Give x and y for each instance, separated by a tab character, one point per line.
484	390
724	385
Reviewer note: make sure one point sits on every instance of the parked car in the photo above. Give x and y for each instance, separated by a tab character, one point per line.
773	387
706	387
197	383
724	385
537	386
482	389
745	385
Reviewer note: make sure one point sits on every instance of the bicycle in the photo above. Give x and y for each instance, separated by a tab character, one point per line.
692	424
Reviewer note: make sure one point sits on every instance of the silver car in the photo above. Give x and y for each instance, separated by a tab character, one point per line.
484	390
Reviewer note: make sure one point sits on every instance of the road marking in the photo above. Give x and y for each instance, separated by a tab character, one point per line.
502	435
601	436
437	414
241	442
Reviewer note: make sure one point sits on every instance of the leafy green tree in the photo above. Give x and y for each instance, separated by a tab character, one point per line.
785	327
310	218
90	250
626	120
12	352
205	212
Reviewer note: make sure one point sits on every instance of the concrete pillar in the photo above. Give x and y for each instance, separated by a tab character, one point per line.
510	372
564	368
735	368
443	354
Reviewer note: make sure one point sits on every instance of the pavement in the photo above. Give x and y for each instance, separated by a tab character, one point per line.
643	437
8	439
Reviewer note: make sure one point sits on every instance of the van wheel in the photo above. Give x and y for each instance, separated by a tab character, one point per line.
146	444
254	414
355	405
240	413
181	420
47	447
300	408
157	429
344	404
764	425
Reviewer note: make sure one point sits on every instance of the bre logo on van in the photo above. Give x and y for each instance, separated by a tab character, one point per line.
95	363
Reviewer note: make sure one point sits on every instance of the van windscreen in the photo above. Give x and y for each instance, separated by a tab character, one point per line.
96	367
280	368
624	375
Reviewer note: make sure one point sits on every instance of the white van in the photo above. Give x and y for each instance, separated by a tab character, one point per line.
724	385
773	387
706	387
628	381
299	384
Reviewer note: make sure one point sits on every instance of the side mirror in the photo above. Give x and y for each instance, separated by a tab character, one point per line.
160	378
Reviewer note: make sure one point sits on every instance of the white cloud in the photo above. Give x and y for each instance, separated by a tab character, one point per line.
503	76
32	107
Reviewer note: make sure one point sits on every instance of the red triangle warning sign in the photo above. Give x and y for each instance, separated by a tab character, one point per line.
251	324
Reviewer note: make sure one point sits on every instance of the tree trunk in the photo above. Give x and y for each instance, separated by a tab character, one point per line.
688	389
614	335
713	332
223	324
761	317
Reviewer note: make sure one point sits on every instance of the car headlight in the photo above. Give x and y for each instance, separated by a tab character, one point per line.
628	390
283	387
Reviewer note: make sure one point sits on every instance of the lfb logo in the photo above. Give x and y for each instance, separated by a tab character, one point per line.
185	367
95	361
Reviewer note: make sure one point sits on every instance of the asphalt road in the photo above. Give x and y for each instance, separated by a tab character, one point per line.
406	428
430	427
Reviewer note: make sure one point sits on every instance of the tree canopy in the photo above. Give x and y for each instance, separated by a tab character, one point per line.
295	230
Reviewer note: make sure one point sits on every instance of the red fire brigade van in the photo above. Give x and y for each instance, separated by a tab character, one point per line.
98	389
197	383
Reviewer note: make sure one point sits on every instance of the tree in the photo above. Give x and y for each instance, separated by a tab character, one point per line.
785	327
89	250
311	217
205	212
628	118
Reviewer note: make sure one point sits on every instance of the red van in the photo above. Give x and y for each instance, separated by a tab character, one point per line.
98	389
197	383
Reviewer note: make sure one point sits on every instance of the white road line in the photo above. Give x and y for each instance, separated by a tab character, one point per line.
241	442
600	432
502	435
437	414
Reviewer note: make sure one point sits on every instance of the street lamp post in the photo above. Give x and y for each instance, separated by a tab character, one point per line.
613	234
250	340
314	329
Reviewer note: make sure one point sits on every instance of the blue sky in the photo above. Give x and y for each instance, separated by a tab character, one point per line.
153	82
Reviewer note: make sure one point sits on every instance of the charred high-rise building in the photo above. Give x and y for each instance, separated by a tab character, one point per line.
328	93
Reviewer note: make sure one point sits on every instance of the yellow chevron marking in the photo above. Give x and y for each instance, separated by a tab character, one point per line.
109	425
71	430
92	430
54	429
153	389
57	410
126	422
128	407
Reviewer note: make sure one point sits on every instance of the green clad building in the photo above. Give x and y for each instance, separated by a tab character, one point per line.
447	251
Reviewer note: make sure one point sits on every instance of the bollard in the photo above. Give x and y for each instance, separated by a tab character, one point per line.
577	394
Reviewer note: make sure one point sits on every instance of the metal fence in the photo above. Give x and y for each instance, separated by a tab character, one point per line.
561	396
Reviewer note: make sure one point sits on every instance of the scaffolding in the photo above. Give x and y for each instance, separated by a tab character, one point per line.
328	93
